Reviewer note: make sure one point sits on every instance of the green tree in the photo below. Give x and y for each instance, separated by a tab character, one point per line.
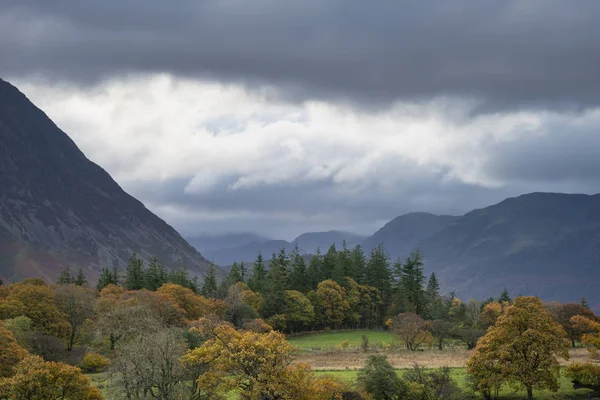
504	297
275	286
343	264
209	286
357	264
378	273
331	298
81	279
313	271
108	277
258	277
65	277
155	276
379	379
234	276
299	279
243	272
521	349
134	273
412	282
328	264
298	310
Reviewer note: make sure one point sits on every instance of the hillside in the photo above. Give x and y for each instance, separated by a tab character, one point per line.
248	252
543	244
403	234
57	208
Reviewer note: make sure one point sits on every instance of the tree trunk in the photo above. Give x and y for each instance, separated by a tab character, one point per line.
529	393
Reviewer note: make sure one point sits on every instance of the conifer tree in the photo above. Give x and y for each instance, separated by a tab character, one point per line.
313	271
275	286
107	277
243	272
378	273
65	277
328	264
234	275
155	276
256	280
504	297
342	267
209	286
298	274
412	282
81	280
134	273
357	264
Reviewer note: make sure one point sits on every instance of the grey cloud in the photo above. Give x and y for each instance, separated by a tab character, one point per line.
509	54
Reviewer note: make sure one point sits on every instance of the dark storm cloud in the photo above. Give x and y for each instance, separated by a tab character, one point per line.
536	53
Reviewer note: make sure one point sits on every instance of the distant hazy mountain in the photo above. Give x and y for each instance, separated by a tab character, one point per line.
226	241
57	208
310	242
403	234
543	244
248	252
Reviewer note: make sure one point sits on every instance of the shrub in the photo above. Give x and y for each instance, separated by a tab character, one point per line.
258	326
344	345
433	384
94	362
365	343
379	379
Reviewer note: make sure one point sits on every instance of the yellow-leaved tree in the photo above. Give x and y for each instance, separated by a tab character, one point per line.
10	352
257	365
587	375
521	349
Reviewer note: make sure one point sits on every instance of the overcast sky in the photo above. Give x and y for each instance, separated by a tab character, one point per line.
280	117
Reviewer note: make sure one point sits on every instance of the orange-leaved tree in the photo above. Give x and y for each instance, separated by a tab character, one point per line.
10	352
521	349
587	375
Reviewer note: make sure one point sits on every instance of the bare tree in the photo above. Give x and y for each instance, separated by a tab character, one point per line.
411	328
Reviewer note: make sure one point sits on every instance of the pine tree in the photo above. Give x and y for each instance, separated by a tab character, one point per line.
412	282
283	259
378	273
256	280
584	303
435	303
298	276
504	297
134	273
107	277
209	286
81	280
275	286
243	272
343	263
313	271
155	276
65	277
234	276
179	276
433	287
328	264
357	264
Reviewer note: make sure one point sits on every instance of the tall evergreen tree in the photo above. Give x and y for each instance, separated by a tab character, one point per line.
234	276
504	297
257	278
435	303
134	273
298	275
283	259
343	263
179	276
357	264
81	279
275	286
107	277
65	277
243	272
313	271
209	286
328	264
378	273
155	275
412	282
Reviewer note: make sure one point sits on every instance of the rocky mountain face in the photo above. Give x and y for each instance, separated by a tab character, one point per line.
57	208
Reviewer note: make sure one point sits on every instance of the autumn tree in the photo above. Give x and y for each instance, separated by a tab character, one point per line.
411	328
36	379
77	303
562	313
194	305
586	375
521	349
239	309
440	331
298	309
331	298
10	352
491	312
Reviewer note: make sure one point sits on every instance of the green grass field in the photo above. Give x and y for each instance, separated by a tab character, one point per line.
332	340
460	376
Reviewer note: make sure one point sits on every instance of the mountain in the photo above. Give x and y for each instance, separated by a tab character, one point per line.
543	244
209	243
57	208
248	252
310	242
403	234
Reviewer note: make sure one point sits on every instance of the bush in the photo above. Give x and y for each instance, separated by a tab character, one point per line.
379	379
344	345
364	343
433	384
94	362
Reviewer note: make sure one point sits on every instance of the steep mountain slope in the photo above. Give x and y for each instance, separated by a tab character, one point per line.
543	244
403	234
58	208
311	241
